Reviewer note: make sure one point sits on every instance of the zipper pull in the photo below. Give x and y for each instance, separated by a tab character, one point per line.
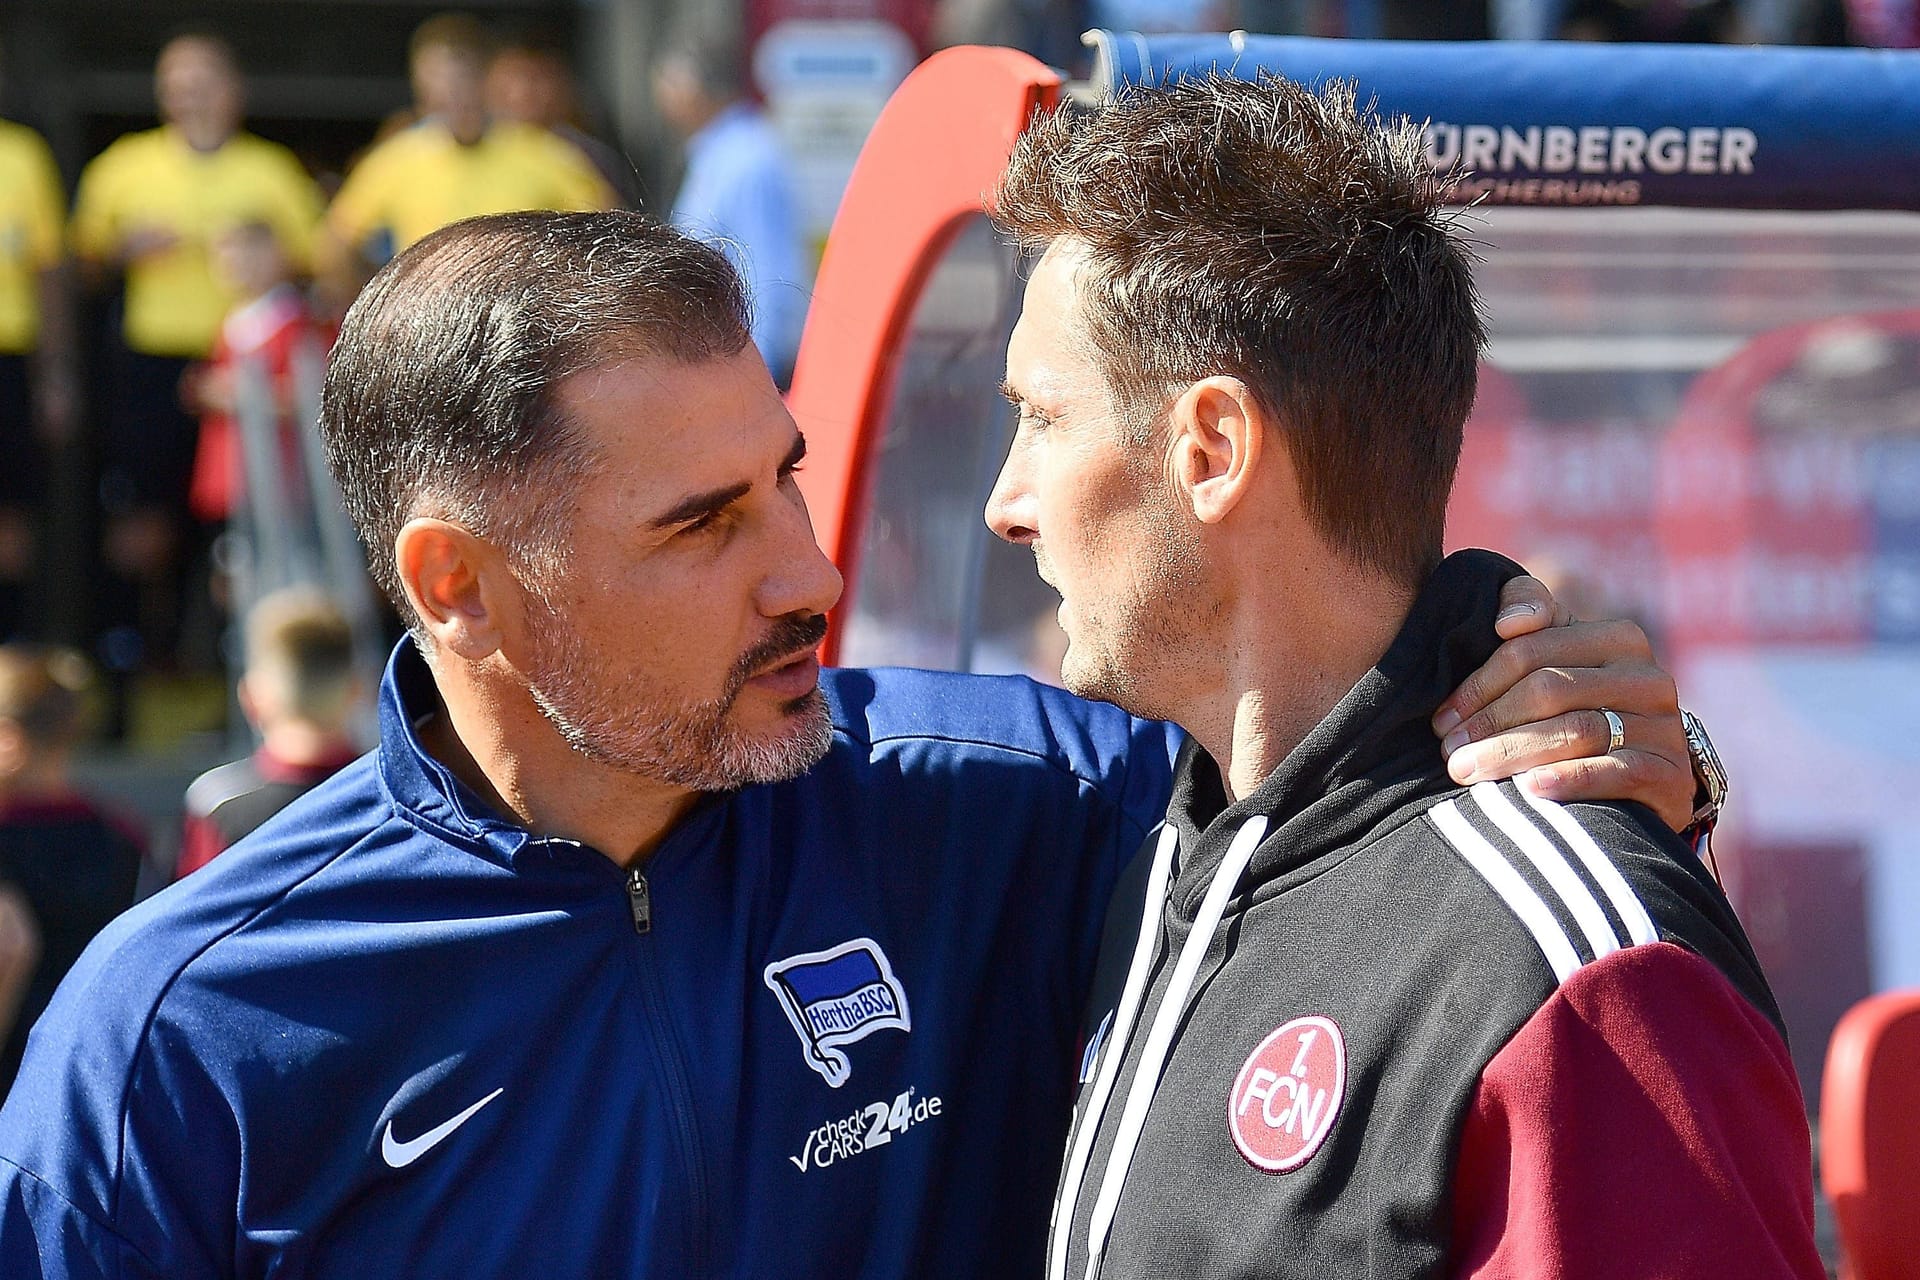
639	901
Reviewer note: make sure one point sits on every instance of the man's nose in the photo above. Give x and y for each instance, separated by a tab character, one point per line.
1011	509
805	579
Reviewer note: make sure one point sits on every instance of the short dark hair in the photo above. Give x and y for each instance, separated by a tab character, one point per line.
1292	240
252	229
299	641
461	34
216	44
439	395
716	64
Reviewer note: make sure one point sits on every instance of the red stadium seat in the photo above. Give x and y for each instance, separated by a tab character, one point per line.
1870	1136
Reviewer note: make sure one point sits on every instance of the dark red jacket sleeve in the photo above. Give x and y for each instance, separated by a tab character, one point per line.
1644	1123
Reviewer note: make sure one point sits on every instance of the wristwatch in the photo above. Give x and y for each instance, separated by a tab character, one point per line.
1709	780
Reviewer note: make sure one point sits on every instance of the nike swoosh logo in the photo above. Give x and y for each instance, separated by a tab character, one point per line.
399	1155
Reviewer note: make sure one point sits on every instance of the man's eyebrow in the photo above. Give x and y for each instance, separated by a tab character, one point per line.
701	504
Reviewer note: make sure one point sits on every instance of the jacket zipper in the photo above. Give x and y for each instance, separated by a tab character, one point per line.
640	901
666	1047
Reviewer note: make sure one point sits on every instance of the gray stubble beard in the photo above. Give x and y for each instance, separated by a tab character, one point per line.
691	746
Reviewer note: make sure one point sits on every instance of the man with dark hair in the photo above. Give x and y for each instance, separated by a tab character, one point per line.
1358	1017
641	946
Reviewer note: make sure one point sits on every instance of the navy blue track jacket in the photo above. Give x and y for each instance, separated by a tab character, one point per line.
391	1034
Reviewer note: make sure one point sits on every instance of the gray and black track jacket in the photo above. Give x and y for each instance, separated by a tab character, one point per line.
1377	1025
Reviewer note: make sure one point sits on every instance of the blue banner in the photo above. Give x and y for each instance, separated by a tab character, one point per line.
1599	124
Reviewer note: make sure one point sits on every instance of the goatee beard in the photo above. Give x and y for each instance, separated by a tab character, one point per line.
689	745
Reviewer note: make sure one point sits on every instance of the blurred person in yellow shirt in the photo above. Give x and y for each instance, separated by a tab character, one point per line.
531	82
37	395
151	207
455	162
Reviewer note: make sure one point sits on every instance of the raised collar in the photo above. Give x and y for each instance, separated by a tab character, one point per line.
432	797
423	788
1373	756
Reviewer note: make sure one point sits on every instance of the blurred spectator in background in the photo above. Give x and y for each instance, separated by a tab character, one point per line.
271	326
1656	21
738	191
37	393
74	866
1162	16
1885	24
454	162
301	693
151	206
1434	20
1525	19
530	83
1047	29
1663	21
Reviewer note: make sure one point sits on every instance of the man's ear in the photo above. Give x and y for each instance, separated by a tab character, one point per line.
1218	439
456	583
247	692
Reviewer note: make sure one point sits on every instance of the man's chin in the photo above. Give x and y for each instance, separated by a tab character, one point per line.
1085	679
786	750
1102	680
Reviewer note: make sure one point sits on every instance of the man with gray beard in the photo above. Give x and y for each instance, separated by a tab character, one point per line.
641	945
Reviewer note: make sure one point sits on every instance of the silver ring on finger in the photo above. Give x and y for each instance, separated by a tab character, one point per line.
1616	731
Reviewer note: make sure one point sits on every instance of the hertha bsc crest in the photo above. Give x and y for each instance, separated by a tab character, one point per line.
835	997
